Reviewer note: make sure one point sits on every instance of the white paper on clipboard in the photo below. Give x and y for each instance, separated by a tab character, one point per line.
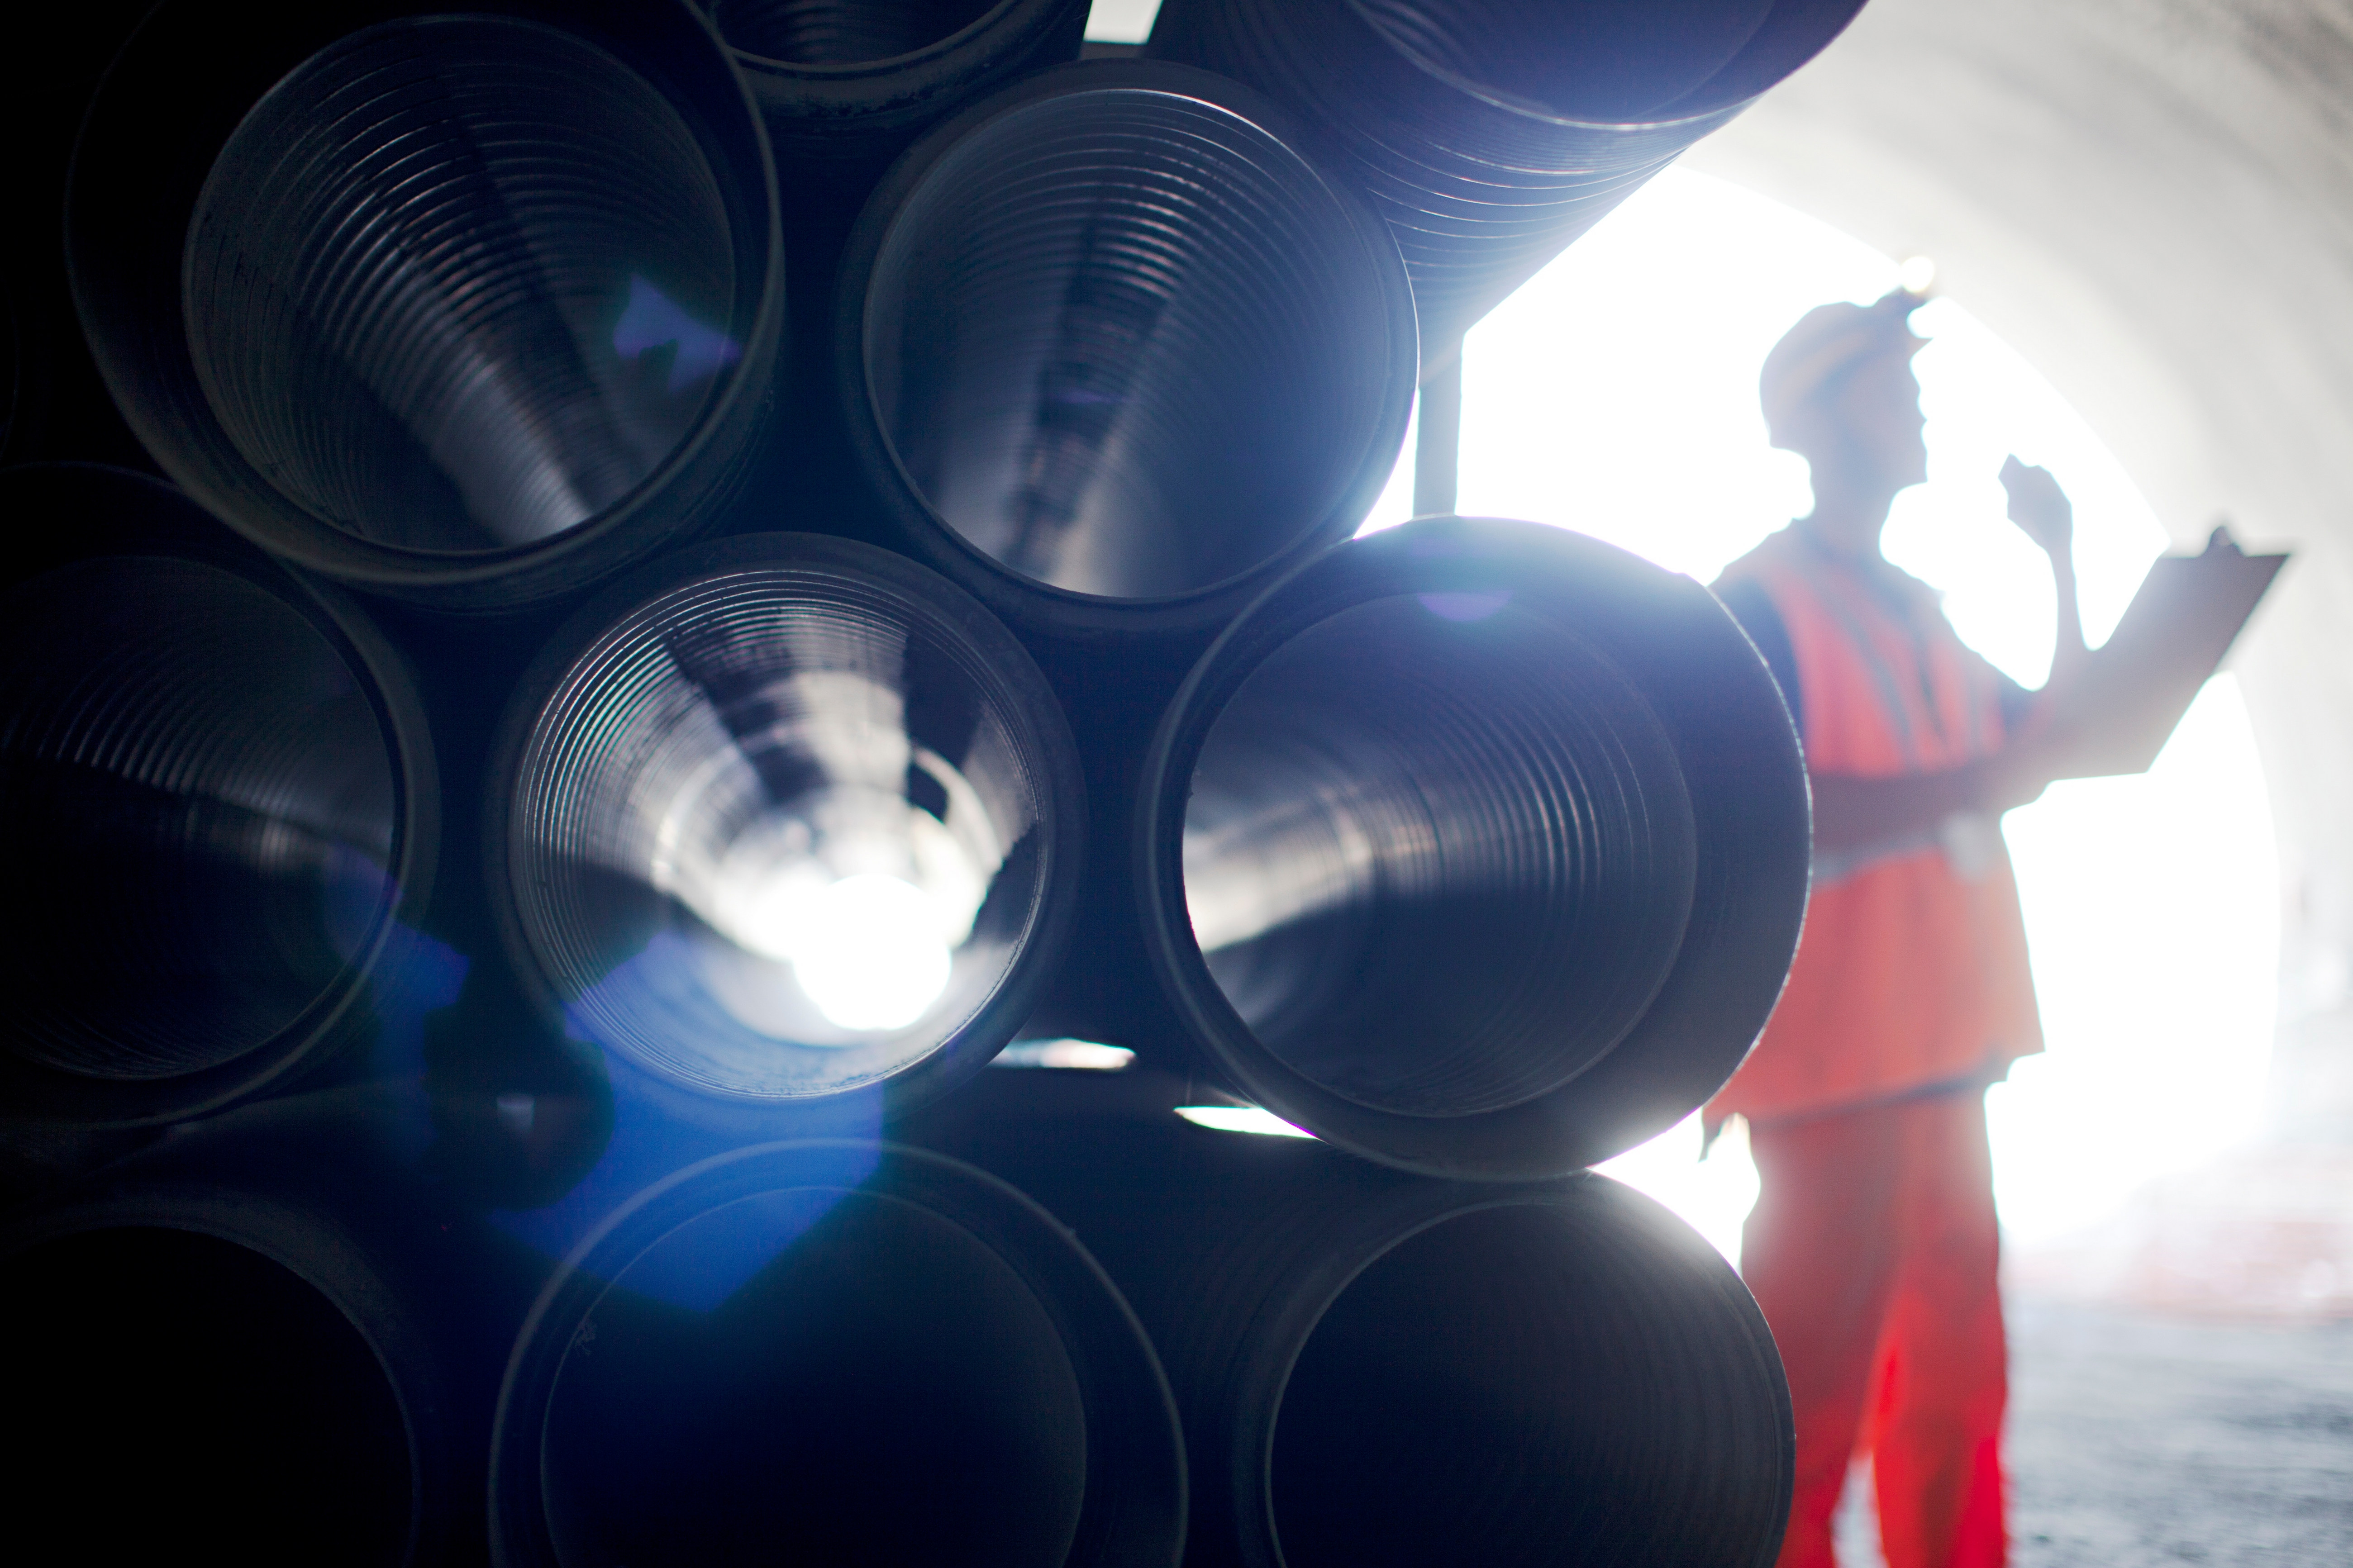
2136	686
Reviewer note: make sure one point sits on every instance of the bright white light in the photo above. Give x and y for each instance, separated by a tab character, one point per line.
1083	1056
1616	394
1917	274
1241	1118
865	897
1713	1195
867	950
1121	21
1395	502
2152	909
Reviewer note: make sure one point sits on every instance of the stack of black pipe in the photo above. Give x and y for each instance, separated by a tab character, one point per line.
652	588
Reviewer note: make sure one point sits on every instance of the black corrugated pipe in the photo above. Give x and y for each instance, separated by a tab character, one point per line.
219	804
786	819
15	366
56	408
853	78
840	1353
19	371
845	85
1490	133
1374	1368
466	309
1111	354
262	1342
1479	848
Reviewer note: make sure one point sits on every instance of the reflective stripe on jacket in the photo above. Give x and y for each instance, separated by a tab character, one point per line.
1912	972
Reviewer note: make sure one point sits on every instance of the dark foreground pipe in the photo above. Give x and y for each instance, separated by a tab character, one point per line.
468	309
1111	354
56	409
1374	1368
216	793
263	1341
1490	133
852	79
787	817
1476	846
834	1352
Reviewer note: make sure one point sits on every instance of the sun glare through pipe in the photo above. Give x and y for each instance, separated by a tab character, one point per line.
1490	133
840	1353
789	817
466	308
215	791
1112	352
1454	817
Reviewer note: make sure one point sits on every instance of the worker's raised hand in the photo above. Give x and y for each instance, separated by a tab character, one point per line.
2039	507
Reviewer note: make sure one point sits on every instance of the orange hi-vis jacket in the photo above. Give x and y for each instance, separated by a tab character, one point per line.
1912	972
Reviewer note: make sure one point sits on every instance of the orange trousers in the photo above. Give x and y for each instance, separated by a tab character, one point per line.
1874	1251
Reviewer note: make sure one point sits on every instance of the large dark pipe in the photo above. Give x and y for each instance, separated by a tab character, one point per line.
1374	1368
837	1353
217	796
56	408
1490	133
850	79
786	817
1476	846
263	1341
1112	354
14	366
466	309
844	87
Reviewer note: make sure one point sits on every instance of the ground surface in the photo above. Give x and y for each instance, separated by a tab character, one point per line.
2138	1441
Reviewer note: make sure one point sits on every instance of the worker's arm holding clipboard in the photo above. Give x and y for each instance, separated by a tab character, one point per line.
2105	712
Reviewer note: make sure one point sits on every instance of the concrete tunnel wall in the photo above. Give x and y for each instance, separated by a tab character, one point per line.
2152	200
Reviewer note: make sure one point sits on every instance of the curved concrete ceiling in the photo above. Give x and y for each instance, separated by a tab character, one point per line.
2153	201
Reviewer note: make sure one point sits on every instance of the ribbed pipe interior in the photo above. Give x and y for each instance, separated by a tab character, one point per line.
197	807
459	283
1592	59
1522	1386
173	1391
776	833
820	1377
1439	853
842	32
1127	344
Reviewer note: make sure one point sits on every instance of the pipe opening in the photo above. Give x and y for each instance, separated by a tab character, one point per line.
460	284
843	32
1122	341
1529	1385
881	1389
176	1388
197	811
1597	60
1439	854
783	831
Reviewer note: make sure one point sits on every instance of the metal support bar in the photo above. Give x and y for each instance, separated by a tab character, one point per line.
1437	447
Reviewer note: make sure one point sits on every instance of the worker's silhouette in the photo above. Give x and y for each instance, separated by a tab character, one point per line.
1873	1249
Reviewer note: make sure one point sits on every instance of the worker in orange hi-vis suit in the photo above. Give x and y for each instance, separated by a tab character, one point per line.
1873	1249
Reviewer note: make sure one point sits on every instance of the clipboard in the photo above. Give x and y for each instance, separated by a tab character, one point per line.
2136	686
